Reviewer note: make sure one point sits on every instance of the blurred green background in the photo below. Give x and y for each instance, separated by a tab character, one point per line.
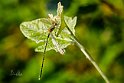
100	28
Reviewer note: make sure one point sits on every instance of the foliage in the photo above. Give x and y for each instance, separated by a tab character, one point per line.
99	28
38	31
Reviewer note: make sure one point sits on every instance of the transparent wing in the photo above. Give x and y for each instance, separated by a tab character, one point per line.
57	43
41	46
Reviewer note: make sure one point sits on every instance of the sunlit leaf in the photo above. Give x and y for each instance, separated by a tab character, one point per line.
38	30
71	23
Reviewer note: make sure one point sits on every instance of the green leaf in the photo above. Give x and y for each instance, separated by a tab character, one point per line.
38	30
71	23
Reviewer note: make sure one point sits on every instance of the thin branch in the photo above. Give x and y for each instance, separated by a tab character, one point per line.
88	56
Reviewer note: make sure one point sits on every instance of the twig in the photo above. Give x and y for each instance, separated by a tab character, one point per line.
88	56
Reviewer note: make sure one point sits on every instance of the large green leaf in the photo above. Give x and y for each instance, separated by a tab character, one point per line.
38	30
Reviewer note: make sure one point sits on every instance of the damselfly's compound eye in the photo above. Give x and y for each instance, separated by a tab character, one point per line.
56	24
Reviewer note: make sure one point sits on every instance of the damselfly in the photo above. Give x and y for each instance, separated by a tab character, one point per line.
56	44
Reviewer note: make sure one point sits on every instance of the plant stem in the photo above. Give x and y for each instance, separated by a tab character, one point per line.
88	57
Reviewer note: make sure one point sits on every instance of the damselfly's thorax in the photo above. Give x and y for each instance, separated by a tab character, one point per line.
53	26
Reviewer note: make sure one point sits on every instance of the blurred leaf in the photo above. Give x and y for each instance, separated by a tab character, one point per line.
111	53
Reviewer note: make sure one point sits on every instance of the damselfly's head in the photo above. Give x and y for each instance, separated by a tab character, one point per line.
56	20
